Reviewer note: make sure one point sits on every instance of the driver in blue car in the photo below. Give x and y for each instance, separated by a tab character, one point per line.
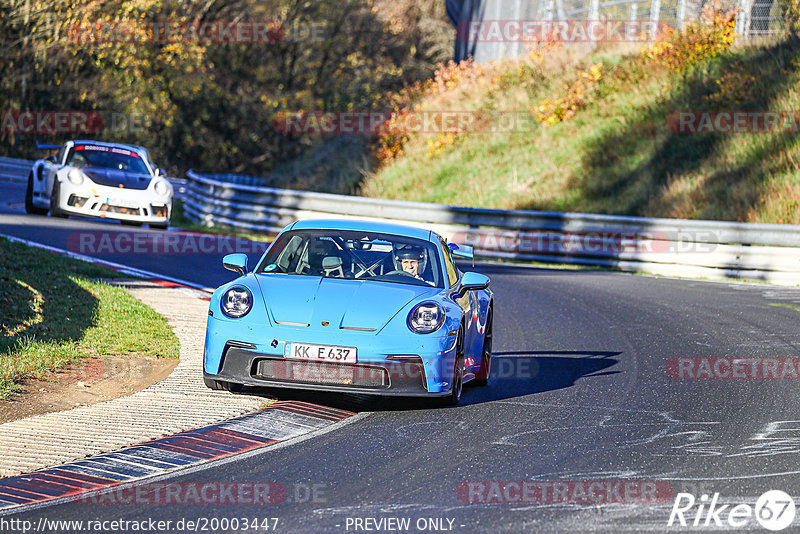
412	261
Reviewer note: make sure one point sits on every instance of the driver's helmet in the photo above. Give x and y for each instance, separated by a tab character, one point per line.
410	253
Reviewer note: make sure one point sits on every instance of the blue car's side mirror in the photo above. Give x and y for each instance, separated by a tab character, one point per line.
462	251
472	282
236	263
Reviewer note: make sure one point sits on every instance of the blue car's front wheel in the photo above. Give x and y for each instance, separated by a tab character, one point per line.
482	378
457	383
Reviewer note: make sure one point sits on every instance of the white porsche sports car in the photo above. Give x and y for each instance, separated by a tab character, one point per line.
96	179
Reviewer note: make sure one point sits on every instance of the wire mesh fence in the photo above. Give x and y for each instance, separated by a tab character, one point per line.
490	29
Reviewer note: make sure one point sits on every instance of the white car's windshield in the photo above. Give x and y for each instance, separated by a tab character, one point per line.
356	256
107	158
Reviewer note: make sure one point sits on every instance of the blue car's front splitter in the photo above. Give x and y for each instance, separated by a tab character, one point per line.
405	377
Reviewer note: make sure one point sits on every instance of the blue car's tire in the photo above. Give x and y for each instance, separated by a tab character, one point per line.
486	356
458	373
220	385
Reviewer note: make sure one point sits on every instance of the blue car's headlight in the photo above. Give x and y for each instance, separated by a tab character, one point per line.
236	302
425	318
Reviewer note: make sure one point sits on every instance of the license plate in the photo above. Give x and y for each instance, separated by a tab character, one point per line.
321	353
122	202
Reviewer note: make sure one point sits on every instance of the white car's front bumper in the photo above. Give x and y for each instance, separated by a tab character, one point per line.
93	200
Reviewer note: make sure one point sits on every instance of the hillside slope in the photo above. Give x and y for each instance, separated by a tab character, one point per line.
600	136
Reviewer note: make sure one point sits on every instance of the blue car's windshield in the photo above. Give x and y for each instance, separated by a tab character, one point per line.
107	158
355	256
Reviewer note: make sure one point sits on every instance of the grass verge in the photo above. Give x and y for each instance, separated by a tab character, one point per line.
56	310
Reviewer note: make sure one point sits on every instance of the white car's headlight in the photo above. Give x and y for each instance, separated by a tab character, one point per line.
236	302
425	318
75	176
161	188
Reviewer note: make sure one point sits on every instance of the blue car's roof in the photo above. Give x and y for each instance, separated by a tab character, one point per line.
139	149
367	226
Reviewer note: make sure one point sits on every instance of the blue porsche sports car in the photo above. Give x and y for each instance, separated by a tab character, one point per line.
352	306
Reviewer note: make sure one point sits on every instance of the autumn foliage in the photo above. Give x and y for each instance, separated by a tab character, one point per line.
210	103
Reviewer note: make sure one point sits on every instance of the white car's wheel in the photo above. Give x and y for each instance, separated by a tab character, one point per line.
55	210
29	206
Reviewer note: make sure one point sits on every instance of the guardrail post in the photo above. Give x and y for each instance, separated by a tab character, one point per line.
594	15
655	8
744	20
562	15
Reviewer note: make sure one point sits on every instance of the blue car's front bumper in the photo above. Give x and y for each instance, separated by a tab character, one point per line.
410	365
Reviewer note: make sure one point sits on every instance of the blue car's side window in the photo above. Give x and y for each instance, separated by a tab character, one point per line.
452	272
290	255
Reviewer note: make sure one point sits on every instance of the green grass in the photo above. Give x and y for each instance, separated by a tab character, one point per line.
54	311
785	305
617	155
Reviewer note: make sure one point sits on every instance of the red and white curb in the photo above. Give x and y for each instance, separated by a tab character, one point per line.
277	423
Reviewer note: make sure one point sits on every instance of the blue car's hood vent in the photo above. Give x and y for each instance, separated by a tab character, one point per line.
343	303
116	178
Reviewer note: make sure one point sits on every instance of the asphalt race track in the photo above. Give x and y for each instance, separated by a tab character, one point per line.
580	393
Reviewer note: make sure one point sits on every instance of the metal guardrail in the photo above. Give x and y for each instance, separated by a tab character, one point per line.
713	249
17	170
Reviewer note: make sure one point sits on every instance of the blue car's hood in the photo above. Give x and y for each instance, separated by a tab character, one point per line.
343	303
117	178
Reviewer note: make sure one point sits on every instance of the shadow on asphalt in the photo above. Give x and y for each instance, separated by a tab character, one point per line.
514	374
521	373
